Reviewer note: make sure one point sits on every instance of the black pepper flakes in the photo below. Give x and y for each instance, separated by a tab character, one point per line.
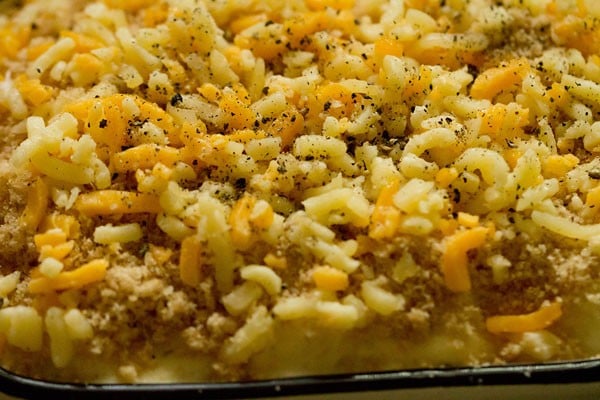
240	183
176	99
456	195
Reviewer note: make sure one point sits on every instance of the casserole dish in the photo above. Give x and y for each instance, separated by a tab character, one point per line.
255	192
558	379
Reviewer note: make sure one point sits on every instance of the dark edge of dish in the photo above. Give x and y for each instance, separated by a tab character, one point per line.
586	371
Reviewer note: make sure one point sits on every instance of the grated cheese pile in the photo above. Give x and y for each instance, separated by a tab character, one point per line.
199	190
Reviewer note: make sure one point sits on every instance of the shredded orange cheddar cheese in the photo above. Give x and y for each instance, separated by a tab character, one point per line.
328	278
593	198
455	261
86	274
535	321
33	91
239	218
144	156
386	217
51	237
106	202
445	176
274	261
13	39
190	261
66	223
557	166
495	80
56	251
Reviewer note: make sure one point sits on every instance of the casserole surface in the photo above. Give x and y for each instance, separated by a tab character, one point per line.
218	191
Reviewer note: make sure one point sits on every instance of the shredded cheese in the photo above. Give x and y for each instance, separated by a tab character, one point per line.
537	320
454	263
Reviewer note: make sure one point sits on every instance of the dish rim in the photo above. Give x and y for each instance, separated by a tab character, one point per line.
563	372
